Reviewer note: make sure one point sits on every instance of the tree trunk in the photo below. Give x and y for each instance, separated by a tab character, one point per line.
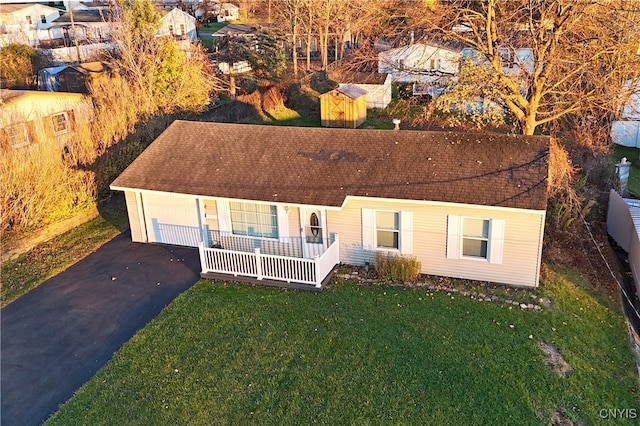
308	47
529	124
294	41
232	85
324	48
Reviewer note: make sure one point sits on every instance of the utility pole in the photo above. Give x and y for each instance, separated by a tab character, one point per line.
73	30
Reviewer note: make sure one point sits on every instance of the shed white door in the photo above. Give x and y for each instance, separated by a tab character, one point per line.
171	219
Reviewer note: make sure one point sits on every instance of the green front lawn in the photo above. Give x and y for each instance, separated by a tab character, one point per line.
211	28
236	354
204	33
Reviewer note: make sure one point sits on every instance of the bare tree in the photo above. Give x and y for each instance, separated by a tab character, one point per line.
289	17
325	10
580	56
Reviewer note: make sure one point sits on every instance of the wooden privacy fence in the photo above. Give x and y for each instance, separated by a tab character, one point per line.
271	267
623	224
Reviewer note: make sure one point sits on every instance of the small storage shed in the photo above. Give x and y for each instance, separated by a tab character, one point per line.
345	107
74	78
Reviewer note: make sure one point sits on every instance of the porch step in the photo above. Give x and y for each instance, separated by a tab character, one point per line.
270	283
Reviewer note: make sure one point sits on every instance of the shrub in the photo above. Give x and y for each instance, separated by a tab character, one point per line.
397	268
16	63
38	187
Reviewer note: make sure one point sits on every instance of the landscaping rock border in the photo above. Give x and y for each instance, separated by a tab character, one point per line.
535	304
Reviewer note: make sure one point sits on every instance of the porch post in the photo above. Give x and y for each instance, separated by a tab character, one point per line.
325	231
202	221
258	264
319	273
302	222
203	262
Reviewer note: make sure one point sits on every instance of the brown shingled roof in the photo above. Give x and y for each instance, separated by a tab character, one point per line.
320	166
358	77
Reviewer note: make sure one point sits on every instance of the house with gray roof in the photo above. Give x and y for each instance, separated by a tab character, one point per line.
286	204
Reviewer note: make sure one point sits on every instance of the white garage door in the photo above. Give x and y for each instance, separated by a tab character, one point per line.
171	219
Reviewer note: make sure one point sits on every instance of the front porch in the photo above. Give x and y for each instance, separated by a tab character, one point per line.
288	263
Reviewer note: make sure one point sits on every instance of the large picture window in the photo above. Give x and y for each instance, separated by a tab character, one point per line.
475	237
387	229
255	220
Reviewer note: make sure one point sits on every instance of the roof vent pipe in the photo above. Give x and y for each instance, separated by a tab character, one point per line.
396	123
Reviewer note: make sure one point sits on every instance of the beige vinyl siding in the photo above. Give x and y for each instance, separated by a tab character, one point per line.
137	233
521	250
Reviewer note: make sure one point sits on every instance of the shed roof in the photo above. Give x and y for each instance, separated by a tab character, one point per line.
351	90
86	68
321	166
235	29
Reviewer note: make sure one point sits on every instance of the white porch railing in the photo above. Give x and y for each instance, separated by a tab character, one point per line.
265	266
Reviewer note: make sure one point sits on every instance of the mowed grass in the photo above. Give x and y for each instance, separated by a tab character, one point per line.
211	27
235	354
205	32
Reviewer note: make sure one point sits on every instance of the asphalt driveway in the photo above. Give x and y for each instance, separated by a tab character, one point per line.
57	336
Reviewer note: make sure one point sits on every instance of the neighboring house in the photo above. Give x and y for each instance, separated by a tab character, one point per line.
178	24
223	12
25	23
226	12
74	78
287	204
421	63
377	86
626	131
431	64
238	67
29	116
89	26
345	106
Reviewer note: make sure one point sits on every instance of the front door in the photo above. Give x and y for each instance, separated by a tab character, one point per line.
313	232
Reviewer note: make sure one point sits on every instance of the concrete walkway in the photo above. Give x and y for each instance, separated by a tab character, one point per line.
57	336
